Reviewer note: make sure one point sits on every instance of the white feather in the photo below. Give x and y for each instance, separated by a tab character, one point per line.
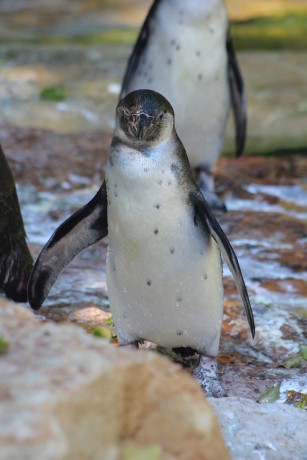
164	275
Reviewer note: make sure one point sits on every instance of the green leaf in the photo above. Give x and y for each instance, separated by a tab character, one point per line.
102	332
304	352
302	404
55	93
4	346
109	321
293	362
153	452
270	395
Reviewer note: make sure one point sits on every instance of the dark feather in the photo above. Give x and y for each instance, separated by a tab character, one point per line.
208	220
15	258
237	93
138	49
84	228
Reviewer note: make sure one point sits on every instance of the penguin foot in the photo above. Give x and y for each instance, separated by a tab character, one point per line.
205	374
205	182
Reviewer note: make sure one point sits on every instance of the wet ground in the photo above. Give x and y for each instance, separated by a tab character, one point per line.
266	223
58	148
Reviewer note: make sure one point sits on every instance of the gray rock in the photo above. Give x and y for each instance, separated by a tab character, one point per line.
262	431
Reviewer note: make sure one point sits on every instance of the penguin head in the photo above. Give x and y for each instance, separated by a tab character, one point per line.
144	117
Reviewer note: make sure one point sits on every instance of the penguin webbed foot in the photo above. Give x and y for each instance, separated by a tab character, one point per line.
205	181
206	376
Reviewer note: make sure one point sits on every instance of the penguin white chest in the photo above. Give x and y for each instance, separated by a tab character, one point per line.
164	272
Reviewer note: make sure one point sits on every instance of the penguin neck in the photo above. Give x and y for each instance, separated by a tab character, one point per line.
136	165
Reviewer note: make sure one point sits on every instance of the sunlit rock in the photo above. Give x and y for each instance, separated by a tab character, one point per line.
67	395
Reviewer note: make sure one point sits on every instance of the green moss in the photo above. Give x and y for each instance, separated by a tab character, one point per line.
104	36
304	352
293	362
102	332
109	321
111	36
54	93
4	346
302	404
283	32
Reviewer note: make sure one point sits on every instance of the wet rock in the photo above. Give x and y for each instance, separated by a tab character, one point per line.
262	431
53	161
67	395
15	258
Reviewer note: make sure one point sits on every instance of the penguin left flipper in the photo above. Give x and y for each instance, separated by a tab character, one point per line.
208	221
237	94
84	228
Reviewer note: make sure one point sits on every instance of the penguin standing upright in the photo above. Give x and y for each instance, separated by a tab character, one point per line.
164	269
184	51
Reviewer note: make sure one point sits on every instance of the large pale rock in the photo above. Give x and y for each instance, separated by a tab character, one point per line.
67	395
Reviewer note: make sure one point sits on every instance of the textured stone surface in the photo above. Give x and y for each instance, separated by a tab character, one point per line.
262	431
67	395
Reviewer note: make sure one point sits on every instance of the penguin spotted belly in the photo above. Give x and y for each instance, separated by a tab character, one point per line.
164	277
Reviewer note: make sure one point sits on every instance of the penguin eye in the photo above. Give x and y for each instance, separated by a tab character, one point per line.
160	116
127	112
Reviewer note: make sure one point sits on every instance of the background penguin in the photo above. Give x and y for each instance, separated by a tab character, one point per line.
164	269
15	258
184	51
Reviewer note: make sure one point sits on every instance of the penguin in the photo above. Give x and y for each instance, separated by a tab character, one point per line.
15	259
164	267
185	52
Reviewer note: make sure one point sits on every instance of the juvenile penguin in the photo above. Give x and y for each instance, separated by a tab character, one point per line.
164	268
15	258
184	51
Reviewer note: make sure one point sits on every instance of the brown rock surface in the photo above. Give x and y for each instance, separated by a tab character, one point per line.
67	395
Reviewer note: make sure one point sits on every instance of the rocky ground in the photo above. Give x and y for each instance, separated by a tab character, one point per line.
266	223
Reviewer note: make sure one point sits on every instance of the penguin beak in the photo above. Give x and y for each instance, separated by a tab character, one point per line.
143	121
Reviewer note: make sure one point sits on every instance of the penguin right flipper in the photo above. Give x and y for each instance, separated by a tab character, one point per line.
209	222
84	228
138	49
237	94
